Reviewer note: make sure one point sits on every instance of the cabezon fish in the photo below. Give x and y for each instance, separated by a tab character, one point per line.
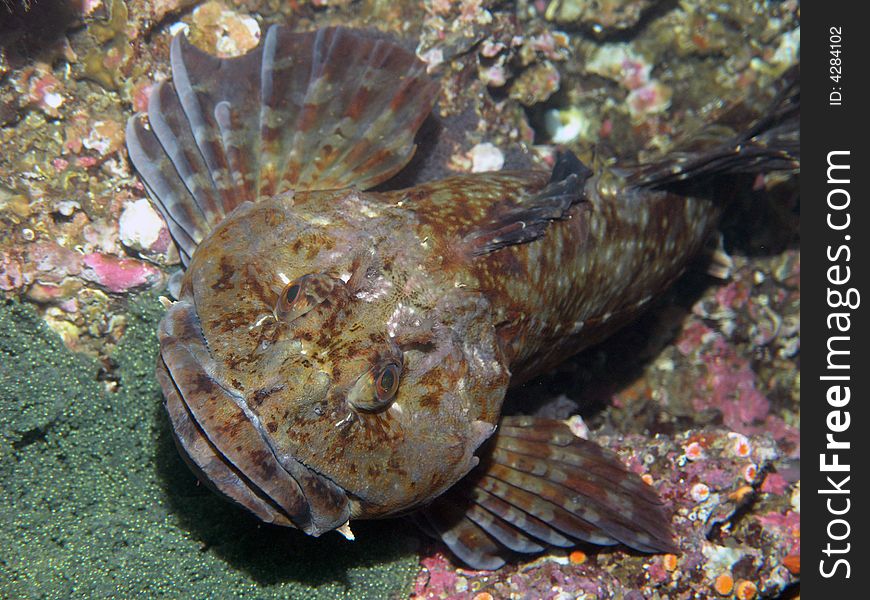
338	354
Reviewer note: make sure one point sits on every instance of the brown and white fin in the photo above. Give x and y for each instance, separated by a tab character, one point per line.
327	109
526	218
539	485
771	143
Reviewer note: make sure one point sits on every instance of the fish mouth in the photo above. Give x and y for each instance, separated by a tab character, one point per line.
223	442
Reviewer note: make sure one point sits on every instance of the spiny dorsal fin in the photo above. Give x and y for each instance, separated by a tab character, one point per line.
319	110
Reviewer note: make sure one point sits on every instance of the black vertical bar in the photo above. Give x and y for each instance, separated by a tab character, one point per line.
835	368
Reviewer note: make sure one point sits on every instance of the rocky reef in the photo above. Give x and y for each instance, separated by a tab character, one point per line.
701	396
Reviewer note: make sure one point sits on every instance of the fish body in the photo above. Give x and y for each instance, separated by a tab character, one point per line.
336	353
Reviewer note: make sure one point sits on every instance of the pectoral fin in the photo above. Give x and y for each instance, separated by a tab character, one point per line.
540	486
320	110
525	219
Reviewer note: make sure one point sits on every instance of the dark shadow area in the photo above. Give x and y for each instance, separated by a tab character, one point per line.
267	553
764	222
655	10
429	160
28	27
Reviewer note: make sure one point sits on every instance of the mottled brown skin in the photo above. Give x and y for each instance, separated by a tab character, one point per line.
407	284
338	354
593	271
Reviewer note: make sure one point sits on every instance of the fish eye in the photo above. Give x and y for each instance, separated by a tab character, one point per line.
387	382
376	388
301	295
291	294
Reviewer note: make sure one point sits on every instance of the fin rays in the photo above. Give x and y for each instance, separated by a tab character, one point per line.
320	110
541	486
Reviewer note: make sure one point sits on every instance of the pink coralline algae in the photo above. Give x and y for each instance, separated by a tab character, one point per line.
41	88
733	295
119	275
53	261
11	267
785	526
437	579
774	483
51	273
727	384
708	497
652	98
730	387
692	336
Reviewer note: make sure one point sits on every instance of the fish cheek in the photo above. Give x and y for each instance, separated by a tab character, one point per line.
365	454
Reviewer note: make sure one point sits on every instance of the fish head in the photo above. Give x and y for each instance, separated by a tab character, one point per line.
314	376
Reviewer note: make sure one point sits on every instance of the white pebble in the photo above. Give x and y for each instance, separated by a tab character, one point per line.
140	225
486	157
53	99
566	126
578	427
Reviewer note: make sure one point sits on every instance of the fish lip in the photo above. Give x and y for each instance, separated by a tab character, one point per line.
244	465
206	461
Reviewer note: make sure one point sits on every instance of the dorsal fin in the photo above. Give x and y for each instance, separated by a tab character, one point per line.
771	143
319	110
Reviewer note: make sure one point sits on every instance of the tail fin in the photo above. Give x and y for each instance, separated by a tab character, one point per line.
772	143
319	110
543	486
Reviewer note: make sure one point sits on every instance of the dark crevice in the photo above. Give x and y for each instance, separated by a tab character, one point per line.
655	11
31	436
